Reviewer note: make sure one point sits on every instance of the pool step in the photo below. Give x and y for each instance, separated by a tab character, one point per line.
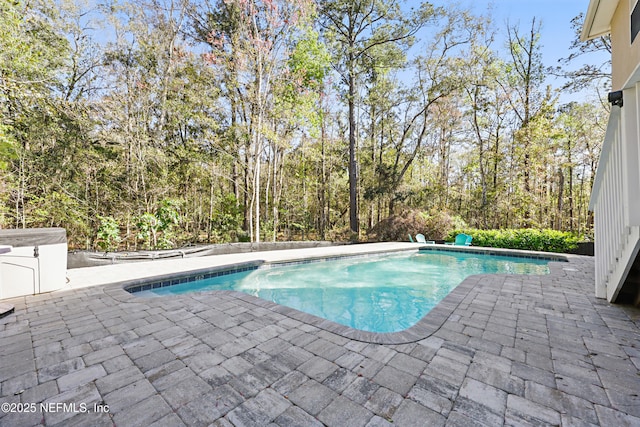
5	309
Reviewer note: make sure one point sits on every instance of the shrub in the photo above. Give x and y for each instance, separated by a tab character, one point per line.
226	221
435	225
108	233
525	238
157	229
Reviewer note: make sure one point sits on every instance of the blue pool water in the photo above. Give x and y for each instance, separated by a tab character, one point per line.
377	294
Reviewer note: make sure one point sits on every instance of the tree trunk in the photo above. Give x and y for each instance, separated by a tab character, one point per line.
209	225
354	225
560	200
323	178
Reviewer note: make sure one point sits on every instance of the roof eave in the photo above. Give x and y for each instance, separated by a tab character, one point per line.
597	21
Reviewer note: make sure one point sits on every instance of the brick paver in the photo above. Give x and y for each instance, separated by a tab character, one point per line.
502	350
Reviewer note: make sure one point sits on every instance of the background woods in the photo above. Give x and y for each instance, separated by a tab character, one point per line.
157	123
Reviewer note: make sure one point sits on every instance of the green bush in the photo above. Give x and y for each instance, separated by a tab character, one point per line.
435	225
226	221
108	233
525	238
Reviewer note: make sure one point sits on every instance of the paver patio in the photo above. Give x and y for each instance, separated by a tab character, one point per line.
503	350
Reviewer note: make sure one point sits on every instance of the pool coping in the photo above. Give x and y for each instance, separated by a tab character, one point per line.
424	328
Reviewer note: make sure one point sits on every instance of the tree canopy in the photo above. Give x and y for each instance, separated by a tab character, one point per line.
166	122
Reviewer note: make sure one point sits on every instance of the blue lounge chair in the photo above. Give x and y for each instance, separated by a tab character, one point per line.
461	240
411	239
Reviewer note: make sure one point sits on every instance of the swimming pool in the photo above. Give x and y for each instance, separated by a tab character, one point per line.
381	293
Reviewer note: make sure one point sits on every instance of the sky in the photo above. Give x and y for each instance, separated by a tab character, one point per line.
555	15
556	32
